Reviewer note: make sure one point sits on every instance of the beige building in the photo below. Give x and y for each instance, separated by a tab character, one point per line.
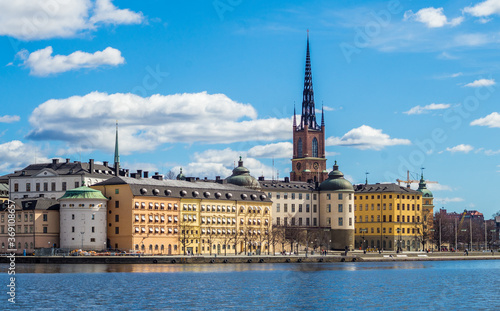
36	223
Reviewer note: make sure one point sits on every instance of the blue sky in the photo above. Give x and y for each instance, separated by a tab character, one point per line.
195	84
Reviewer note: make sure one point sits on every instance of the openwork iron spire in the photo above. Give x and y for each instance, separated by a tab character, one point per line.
308	109
117	155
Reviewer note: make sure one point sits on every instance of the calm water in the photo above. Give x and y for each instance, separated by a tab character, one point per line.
455	285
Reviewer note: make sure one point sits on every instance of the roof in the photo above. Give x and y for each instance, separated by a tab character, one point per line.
83	192
336	181
377	188
35	204
274	185
241	177
186	189
65	168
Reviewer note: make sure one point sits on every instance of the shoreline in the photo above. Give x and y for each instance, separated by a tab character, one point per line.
254	259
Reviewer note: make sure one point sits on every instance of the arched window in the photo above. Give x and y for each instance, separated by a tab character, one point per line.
299	148
136	247
315	148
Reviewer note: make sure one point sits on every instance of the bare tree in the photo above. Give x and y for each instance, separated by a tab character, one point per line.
170	175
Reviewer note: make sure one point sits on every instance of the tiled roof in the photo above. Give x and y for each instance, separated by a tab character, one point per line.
35	204
374	188
272	185
65	168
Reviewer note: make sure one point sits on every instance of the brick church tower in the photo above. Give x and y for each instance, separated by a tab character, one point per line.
309	162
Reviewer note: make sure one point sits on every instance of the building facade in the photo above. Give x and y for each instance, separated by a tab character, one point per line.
83	219
388	217
36	223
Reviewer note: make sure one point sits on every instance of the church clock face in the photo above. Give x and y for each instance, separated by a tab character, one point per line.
298	165
315	165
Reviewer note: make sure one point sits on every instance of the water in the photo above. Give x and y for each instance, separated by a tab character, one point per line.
456	285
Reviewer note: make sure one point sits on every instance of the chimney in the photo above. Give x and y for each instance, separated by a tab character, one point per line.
217	178
287	179
55	161
139	174
67	160
206	178
146	174
133	175
261	178
197	178
105	163
91	166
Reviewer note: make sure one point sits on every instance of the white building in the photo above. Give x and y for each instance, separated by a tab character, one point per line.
51	180
83	219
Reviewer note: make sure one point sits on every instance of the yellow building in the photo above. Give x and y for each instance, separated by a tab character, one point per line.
158	216
389	217
428	211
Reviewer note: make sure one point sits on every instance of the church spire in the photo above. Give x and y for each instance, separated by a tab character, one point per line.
322	115
308	109
117	155
294	117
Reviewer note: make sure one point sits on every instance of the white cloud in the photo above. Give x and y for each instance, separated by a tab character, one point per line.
432	17
41	19
460	148
486	8
366	137
492	120
147	122
448	200
481	83
490	152
9	119
474	39
42	63
105	12
438	187
15	155
277	150
427	108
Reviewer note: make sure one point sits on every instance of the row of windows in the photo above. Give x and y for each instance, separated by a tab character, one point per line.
294	222
292	210
91	229
360	197
340	208
340	221
403	230
19	246
45	186
26	216
384	207
156	230
156	206
156	247
91	205
384	218
152	218
293	195
340	196
27	229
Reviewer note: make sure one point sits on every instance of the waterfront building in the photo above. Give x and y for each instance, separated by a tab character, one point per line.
83	219
388	216
309	161
159	216
336	196
37	224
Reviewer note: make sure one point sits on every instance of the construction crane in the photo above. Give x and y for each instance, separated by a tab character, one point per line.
409	181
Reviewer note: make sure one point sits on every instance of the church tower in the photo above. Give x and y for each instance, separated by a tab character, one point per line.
309	162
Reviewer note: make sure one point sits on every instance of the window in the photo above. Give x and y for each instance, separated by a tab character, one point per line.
44	229
293	221
53	186
28	187
315	196
341	221
315	221
315	148
328	208
350	208
293	196
307	208
285	208
93	229
383	218
315	208
92	239
45	186
117	204
300	208
299	148
16	187
277	207
45	217
383	207
300	196
397	218
350	221
117	191
277	195
328	220
72	216
117	218
300	221
372	218
285	195
390	218
307	221
373	207
72	229
93	217
64	186
307	196
117	230
277	221
378	230
293	208
37	187
378	218
77	184
341	208
340	196
285	221
328	196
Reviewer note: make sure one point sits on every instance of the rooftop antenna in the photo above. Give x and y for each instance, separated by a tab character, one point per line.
273	170
366	180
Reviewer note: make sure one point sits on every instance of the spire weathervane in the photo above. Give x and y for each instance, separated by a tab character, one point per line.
308	117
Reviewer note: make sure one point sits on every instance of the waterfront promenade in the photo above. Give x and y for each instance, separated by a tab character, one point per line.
355	256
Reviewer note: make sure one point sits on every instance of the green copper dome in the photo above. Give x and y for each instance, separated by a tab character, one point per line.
181	176
422	188
83	192
336	181
241	177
